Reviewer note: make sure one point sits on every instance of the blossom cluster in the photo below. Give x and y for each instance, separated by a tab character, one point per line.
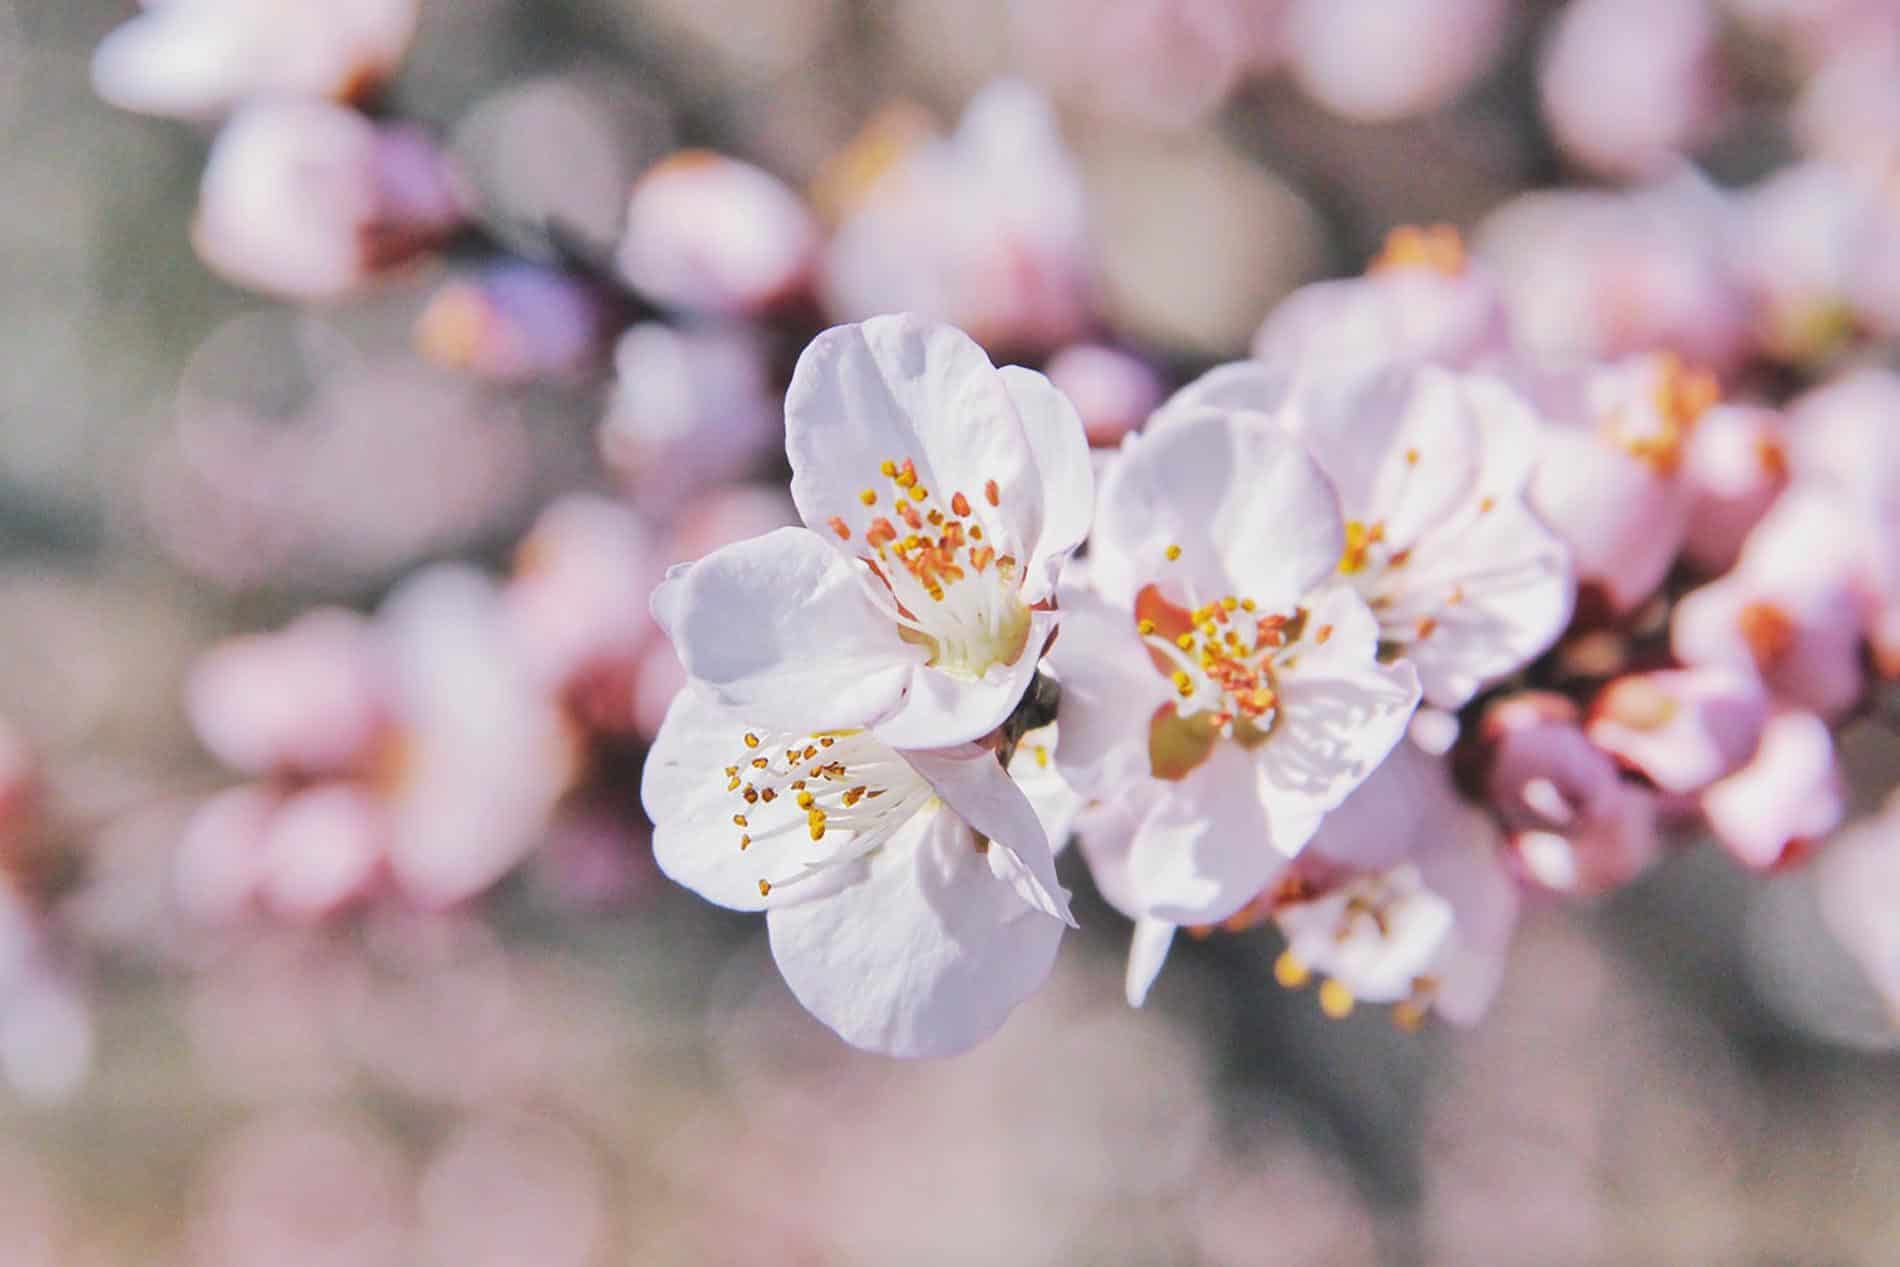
1486	578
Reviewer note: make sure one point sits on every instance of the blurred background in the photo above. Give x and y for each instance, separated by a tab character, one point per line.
588	1067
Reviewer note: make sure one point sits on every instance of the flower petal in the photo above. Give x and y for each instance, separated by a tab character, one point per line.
905	389
1061	449
1035	772
1243	386
1206	848
1341	712
782	628
1147	952
1216	503
976	787
1110	691
941	709
926	955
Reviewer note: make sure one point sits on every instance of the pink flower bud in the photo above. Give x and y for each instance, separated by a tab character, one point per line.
322	850
1735	465
1682	729
712	234
578	597
1772	811
218	867
1386	59
1114	391
513	324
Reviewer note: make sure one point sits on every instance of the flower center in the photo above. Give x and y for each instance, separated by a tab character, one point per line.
1437	248
950	589
1378	934
844	790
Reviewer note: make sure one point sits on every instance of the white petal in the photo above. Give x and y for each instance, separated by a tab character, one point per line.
1251	513
978	790
1147	951
1206	848
1240	386
941	709
1061	449
1110	691
782	628
903	388
1035	771
1341	711
1402	806
925	956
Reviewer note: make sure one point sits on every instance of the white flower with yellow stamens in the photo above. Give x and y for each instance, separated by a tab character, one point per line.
911	897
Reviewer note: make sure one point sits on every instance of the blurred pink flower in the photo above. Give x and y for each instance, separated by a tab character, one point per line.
711	234
1114	391
201	58
986	229
514	323
1386	59
1682	729
308	201
1858	878
504	1191
691	409
1627	85
1735	466
311	698
1573	826
1784	802
1165	63
1609	479
1790	611
322	849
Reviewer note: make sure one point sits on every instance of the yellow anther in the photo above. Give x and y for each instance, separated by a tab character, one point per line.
1185	642
1357	541
1183	684
868	497
1144	627
765	888
1335	999
815	821
1409	1016
1229	603
918	492
1173	552
1289	971
805	800
738	820
1246	604
751	740
888	469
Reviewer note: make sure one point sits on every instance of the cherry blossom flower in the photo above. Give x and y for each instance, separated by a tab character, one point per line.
1608	479
1212	696
1166	63
1790	611
942	496
1858	882
1386	59
1736	465
910	895
1422	299
200	58
712	234
1787	799
308	200
1114	391
1682	729
1430	469
987	228
515	323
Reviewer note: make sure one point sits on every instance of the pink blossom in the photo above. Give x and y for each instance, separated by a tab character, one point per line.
1386	59
1682	729
1858	881
514	323
1775	809
1114	391
1735	466
1166	63
307	200
712	234
1629	84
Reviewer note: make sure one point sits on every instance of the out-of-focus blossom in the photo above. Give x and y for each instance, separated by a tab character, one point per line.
1608	479
1849	109
712	234
1819	249
514	323
1167	63
200	58
1775	809
557	1208
1386	59
1572	825
1422	300
310	698
986	229
322	849
1114	391
19	784
1858	880
1589	275
691	409
890	921
1818	30
1735	465
941	497
1430	468
1217	702
1846	449
308	200
1790	611
1627	85
1682	729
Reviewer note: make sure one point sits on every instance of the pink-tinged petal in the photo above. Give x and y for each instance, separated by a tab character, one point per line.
218	867
904	389
578	596
782	628
687	791
1406	315
1239	505
1110	692
1206	847
485	753
1113	391
977	789
323	850
1467	869
1778	806
926	955
1404	806
940	709
1858	885
1684	728
1035	772
1736	465
1061	450
1105	835
1340	713
1622	521
1237	387
1147	952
